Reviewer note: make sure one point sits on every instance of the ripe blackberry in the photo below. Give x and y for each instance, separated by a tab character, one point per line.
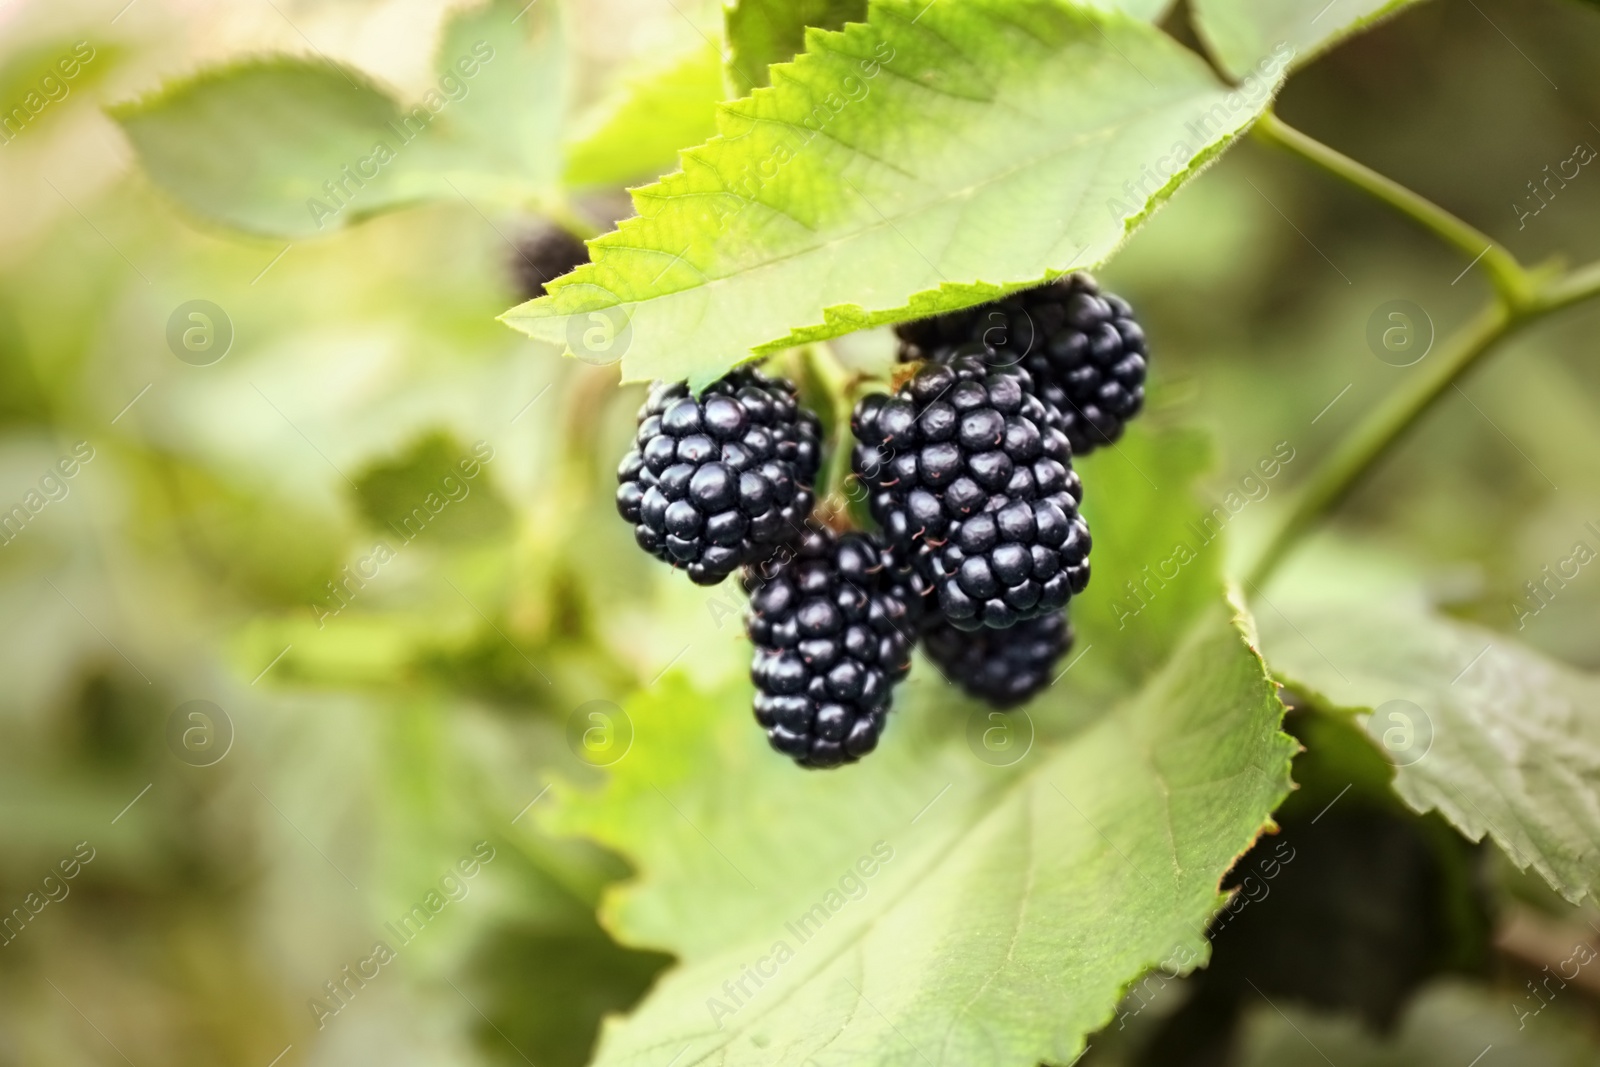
967	472
718	481
1085	351
1002	668
543	256
833	634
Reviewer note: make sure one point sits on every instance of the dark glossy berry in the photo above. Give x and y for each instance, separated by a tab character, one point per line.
1003	668
968	476
721	480
833	634
1083	348
543	256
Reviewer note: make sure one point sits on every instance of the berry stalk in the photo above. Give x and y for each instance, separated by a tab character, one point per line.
839	385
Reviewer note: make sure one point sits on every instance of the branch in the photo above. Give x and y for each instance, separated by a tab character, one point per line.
1331	482
1509	277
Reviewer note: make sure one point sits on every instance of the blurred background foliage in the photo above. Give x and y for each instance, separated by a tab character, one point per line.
194	556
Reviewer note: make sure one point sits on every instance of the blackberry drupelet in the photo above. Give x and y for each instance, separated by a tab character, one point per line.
967	472
543	256
719	481
833	635
1002	668
1085	351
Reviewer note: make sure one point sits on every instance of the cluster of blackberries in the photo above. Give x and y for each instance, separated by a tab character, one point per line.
1083	348
969	470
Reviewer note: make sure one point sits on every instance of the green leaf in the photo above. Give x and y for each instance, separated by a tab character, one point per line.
638	131
291	147
430	488
925	904
1498	739
894	170
1157	551
1261	37
763	32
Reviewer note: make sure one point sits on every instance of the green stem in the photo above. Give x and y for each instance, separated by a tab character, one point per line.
1510	279
1572	288
837	383
1524	297
1334	479
1388	424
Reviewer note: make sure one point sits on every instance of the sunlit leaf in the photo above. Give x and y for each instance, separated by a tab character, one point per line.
927	904
933	159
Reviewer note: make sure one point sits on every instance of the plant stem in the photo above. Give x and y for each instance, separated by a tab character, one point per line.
1331	482
1524	297
1509	277
1573	288
837	383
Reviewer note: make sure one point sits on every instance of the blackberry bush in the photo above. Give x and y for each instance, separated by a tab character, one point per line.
1004	668
1084	349
967	472
719	481
833	634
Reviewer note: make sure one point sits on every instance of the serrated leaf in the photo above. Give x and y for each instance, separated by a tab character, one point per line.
1495	737
935	158
763	32
292	147
925	906
1261	37
637	132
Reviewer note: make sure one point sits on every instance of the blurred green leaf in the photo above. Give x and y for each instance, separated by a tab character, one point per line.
547	989
1260	37
293	147
764	32
637	132
898	169
438	487
1451	1025
22	395
250	146
1495	737
984	914
42	79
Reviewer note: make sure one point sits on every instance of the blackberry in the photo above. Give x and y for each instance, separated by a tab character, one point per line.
1002	668
1085	351
833	634
543	256
967	473
718	481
